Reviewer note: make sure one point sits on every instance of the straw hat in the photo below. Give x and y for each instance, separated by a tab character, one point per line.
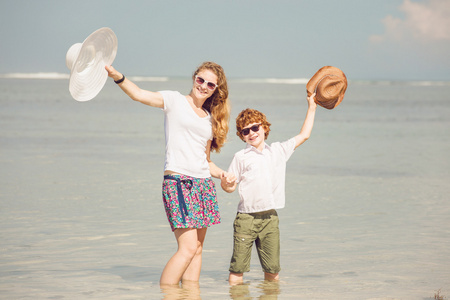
86	62
329	84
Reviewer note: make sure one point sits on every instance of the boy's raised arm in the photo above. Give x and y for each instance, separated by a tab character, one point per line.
305	132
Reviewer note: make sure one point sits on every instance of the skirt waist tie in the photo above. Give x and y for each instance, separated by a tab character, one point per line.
183	207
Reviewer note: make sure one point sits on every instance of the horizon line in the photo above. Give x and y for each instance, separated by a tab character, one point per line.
271	80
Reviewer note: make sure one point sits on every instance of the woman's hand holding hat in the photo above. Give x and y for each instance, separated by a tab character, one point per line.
113	73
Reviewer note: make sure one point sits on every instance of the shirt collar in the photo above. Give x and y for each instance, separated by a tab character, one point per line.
249	148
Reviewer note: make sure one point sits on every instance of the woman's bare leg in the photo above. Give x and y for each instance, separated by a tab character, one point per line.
187	248
192	272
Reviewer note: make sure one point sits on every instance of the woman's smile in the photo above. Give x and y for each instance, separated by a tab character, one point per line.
203	89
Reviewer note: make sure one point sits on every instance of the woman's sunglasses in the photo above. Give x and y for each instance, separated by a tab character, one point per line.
254	128
200	81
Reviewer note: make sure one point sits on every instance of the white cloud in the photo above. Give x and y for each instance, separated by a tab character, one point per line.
423	22
415	45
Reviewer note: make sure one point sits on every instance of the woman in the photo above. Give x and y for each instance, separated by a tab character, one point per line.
195	125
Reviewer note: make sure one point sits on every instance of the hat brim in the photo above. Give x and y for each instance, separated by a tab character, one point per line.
88	74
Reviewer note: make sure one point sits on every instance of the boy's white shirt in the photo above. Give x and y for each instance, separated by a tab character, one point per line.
261	176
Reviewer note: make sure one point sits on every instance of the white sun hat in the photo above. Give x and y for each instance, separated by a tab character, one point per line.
86	62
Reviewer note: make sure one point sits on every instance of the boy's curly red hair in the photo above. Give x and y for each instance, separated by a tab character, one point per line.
249	116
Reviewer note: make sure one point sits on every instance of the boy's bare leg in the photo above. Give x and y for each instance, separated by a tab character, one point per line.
236	278
271	276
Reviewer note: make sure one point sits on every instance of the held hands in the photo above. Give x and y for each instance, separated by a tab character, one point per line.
228	182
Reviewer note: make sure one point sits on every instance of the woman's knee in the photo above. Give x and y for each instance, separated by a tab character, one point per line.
186	239
199	249
188	250
188	244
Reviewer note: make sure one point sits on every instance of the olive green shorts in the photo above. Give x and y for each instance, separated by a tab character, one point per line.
262	229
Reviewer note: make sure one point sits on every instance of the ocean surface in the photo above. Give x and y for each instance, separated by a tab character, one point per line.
367	211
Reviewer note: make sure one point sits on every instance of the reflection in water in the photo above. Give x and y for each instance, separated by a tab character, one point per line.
268	290
240	292
187	290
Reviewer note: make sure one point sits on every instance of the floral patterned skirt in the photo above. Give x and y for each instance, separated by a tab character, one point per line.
190	202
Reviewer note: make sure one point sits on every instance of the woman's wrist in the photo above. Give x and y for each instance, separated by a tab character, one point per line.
120	79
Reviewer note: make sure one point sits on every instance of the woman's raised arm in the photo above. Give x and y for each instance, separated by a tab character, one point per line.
154	99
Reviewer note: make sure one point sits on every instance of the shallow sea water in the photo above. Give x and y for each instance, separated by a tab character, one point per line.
367	208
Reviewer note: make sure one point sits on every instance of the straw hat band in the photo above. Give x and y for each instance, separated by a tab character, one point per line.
315	90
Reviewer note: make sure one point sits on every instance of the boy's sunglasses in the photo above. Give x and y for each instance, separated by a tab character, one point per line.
254	128
200	81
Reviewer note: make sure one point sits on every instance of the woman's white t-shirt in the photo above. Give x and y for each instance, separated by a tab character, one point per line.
187	135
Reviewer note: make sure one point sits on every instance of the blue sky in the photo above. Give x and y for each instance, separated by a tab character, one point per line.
367	39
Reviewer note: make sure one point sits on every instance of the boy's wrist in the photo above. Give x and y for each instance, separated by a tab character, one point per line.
312	107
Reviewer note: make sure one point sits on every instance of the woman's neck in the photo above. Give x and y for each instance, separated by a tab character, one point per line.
196	101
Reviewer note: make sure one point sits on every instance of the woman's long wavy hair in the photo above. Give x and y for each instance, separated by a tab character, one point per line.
217	105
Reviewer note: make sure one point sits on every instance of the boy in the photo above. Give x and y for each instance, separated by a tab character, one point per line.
260	171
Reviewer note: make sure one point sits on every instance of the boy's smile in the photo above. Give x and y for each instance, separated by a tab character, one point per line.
255	139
